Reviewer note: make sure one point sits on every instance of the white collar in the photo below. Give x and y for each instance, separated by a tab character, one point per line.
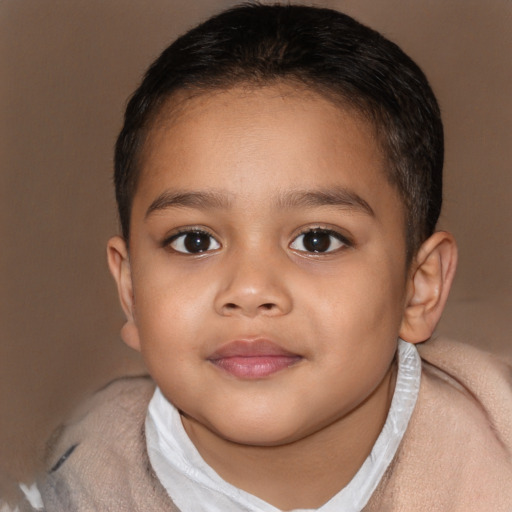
190	481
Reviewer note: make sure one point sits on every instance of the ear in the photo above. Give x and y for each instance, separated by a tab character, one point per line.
430	279
119	264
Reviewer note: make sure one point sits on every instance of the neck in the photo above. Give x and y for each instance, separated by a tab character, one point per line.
305	473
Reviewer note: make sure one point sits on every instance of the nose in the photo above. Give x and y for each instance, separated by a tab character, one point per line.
252	287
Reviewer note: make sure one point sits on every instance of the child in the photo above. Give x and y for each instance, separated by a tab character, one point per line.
278	179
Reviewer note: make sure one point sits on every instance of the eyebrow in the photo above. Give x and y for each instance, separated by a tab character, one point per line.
335	196
204	200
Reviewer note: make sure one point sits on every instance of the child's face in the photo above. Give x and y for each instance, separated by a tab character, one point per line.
268	264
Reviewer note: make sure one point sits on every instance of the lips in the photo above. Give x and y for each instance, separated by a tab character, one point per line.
253	359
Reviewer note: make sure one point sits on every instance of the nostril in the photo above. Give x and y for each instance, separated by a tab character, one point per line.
249	308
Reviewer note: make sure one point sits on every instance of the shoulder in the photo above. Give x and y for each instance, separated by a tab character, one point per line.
475	383
97	460
113	413
457	451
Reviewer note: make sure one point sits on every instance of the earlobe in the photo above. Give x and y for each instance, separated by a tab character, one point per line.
429	285
119	264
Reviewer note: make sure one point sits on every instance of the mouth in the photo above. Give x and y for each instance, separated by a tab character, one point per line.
253	359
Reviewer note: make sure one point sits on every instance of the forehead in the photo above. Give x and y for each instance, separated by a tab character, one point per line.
260	142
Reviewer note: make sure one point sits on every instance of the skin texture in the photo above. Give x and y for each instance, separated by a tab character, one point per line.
255	169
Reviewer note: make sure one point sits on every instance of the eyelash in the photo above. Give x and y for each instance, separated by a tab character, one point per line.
182	233
343	240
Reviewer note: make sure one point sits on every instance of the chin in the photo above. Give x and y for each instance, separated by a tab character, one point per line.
257	432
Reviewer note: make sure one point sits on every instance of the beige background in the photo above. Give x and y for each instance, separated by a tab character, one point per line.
67	68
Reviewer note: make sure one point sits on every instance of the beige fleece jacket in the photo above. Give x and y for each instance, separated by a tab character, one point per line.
455	456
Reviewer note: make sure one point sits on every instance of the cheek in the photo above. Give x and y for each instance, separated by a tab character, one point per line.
360	295
167	282
170	334
168	307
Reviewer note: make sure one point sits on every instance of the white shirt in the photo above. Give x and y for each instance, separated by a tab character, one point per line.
190	481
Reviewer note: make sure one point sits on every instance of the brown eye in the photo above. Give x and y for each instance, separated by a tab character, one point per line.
318	241
193	242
